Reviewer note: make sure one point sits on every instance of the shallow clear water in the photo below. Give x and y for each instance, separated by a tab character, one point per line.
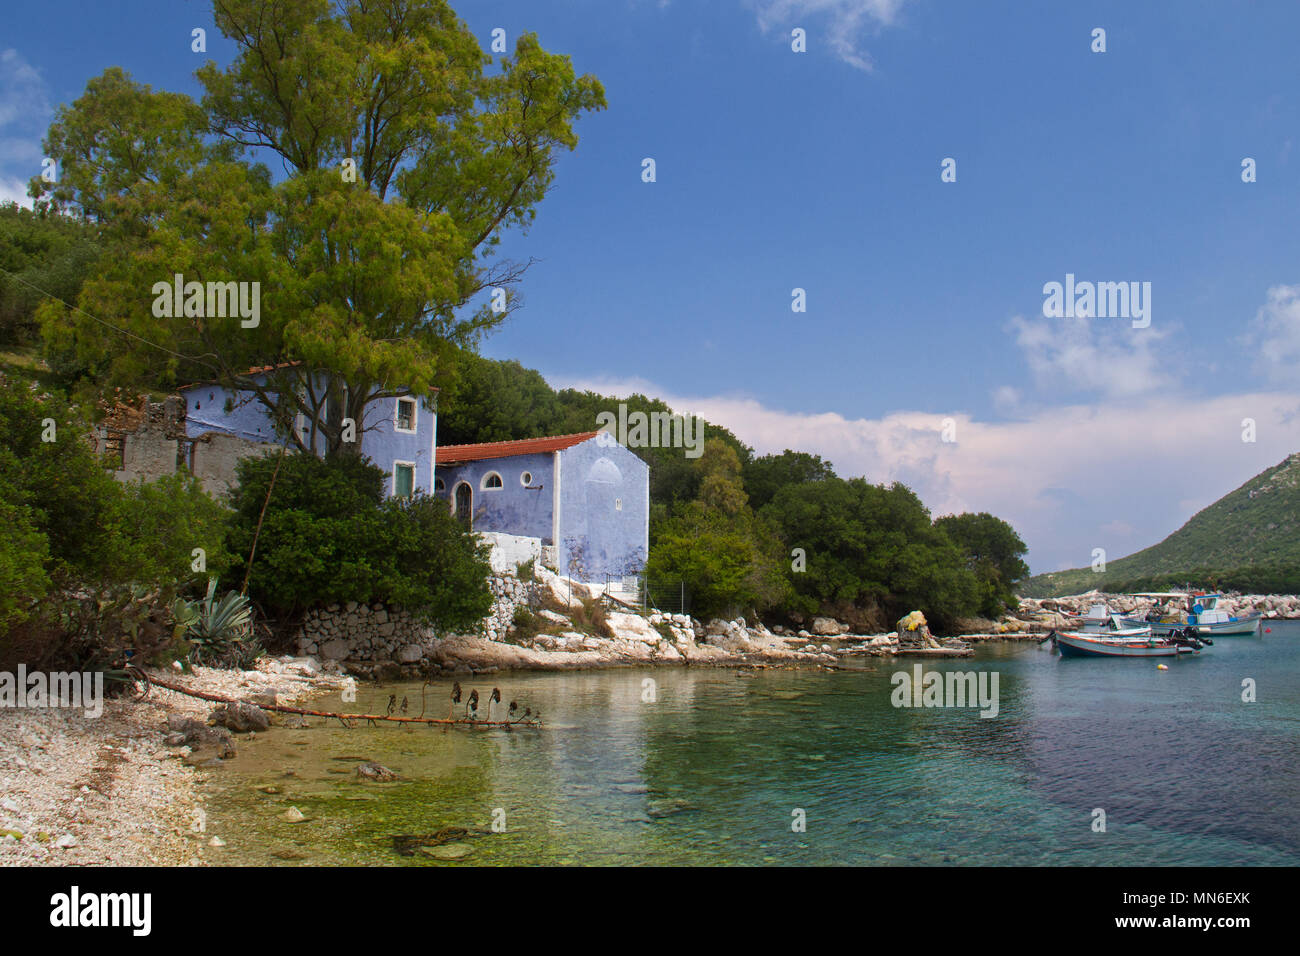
714	769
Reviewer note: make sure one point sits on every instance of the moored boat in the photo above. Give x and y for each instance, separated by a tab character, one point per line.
1203	613
1124	643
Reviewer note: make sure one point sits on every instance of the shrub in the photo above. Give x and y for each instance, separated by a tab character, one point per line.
328	535
88	567
219	632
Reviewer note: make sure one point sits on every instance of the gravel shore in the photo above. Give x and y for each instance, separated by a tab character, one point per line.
76	791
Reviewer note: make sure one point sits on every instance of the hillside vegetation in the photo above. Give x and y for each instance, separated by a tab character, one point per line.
1248	540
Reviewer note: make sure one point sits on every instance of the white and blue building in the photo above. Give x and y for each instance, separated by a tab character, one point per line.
399	434
585	495
583	500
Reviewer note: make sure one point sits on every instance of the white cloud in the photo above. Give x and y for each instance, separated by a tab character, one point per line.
1007	398
23	93
1274	335
24	115
1069	478
14	190
1102	356
847	21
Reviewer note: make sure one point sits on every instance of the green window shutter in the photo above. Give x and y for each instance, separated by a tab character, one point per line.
404	481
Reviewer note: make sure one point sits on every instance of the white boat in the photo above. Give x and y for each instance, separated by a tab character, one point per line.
1203	613
1100	620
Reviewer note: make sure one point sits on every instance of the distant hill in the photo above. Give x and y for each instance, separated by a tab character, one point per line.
1248	540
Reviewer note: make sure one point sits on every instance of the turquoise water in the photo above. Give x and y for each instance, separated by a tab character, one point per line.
714	769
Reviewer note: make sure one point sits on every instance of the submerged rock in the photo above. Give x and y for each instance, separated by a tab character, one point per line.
374	771
241	718
199	735
450	851
407	844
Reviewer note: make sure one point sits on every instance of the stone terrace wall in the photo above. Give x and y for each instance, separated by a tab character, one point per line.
387	642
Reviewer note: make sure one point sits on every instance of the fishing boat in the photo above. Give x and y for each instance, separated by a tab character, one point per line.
1130	642
1203	613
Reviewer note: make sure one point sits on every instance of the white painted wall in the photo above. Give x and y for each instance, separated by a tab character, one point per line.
511	550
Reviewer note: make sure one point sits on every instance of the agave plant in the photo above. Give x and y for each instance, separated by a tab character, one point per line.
220	630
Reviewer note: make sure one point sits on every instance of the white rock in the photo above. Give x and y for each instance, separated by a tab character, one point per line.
632	627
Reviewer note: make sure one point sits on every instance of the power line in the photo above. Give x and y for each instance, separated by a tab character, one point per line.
120	331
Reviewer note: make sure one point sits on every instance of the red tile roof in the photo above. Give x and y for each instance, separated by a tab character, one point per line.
453	454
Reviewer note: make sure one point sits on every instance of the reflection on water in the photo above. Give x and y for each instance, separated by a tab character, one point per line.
715	769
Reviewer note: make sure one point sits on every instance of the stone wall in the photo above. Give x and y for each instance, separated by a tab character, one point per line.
508	593
153	443
375	640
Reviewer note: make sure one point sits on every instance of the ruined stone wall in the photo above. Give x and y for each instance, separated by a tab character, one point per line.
153	444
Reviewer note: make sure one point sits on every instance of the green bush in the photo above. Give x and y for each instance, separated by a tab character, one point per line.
873	545
24	554
88	566
328	535
160	524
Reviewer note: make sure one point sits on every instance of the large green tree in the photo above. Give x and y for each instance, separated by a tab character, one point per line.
994	553
40	254
872	546
766	475
404	157
729	559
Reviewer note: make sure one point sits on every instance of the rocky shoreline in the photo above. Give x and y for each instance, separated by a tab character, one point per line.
560	631
126	788
114	790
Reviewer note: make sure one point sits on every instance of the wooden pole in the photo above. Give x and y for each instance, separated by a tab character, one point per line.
258	530
284	709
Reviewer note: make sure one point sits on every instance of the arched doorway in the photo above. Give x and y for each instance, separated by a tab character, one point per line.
465	503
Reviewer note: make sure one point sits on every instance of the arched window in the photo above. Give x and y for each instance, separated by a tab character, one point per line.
491	480
439	485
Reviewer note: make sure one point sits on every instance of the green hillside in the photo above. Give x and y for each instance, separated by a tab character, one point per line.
1248	540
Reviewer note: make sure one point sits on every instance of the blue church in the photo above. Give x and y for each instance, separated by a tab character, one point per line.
585	495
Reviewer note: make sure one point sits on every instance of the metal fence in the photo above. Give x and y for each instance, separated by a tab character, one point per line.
636	590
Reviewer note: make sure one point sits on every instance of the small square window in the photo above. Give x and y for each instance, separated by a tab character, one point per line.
403	480
406	414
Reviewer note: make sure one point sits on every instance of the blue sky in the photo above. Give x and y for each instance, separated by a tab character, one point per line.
821	170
